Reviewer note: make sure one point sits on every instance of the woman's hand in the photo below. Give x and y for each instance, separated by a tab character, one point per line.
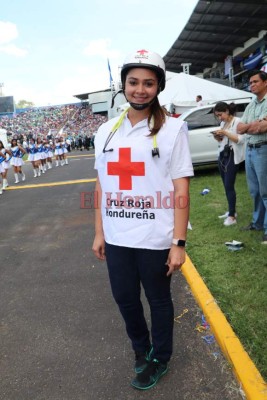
99	247
221	133
218	135
176	258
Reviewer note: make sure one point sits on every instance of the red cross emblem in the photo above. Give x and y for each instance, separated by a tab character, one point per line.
142	52
125	168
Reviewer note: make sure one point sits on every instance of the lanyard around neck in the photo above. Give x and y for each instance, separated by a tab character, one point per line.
114	130
120	121
117	126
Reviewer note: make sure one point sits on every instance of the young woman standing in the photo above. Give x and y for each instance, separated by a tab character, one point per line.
65	151
38	156
7	155
17	153
144	165
2	170
231	148
32	151
58	151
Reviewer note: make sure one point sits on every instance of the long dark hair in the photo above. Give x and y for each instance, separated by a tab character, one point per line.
221	106
158	114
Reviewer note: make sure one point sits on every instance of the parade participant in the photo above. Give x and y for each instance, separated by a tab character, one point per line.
65	151
231	149
32	150
2	170
49	147
144	164
5	164
44	156
47	161
17	153
37	156
40	157
58	151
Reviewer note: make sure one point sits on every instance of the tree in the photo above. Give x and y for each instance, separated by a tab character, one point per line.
24	104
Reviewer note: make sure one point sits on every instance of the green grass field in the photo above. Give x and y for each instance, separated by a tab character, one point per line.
236	279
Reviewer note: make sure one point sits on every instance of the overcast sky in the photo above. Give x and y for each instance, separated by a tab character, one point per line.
52	50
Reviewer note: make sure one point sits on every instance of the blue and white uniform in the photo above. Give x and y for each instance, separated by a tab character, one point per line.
45	151
6	162
17	155
2	159
50	150
31	150
38	155
64	147
58	149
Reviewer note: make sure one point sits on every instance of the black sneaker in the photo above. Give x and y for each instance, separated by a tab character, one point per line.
150	375
264	239
141	360
250	227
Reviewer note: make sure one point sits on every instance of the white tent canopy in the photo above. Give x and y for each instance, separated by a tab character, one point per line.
181	91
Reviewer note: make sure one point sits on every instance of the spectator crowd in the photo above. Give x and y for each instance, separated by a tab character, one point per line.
71	121
45	133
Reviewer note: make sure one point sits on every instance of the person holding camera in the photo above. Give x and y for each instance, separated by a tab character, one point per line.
231	147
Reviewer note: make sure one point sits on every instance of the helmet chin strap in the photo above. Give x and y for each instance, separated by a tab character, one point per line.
143	106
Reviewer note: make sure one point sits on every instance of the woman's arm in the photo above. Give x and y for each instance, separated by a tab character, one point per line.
22	149
8	152
231	135
177	254
99	240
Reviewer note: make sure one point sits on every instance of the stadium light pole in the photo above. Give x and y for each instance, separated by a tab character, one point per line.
1	88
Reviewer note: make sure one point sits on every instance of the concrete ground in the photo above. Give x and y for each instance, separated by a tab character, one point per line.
61	335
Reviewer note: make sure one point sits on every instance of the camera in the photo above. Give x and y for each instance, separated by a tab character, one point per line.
155	152
217	136
226	150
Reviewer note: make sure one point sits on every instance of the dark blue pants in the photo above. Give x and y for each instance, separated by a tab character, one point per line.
228	170
128	269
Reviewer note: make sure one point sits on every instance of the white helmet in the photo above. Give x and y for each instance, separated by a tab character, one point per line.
145	59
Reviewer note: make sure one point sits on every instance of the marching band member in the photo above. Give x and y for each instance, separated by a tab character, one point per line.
65	151
40	156
5	163
49	151
17	153
2	170
58	151
32	150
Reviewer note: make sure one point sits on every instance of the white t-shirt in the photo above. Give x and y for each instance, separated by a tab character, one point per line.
239	147
137	189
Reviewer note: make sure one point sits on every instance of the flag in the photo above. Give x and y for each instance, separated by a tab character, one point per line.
110	75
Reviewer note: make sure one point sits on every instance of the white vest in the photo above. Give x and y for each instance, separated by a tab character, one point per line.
137	190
